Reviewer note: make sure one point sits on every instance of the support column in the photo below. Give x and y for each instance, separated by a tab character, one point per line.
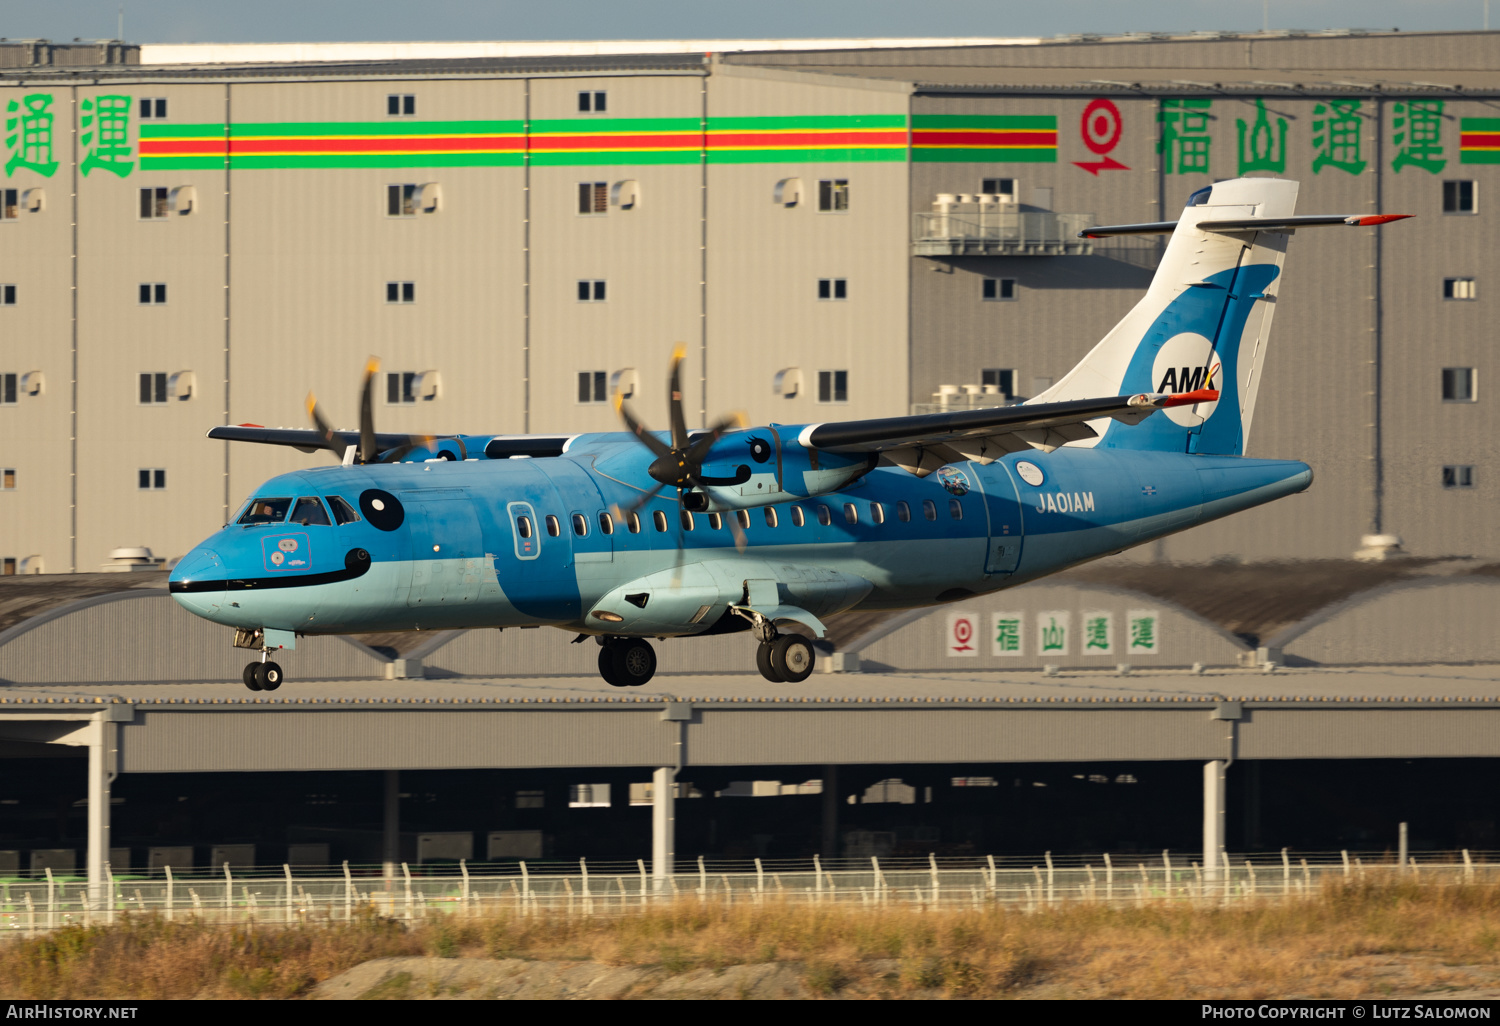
390	842
663	825
1213	820
101	775
830	846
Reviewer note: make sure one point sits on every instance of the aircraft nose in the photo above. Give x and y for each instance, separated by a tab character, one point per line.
197	582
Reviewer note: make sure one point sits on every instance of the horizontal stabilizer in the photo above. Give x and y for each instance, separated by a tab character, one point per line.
1246	224
308	440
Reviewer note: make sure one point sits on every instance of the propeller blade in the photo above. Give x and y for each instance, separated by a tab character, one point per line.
706	441
740	541
656	445
636	506
367	447
674	382
329	439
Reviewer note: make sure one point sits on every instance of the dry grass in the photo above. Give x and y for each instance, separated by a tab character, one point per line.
1374	938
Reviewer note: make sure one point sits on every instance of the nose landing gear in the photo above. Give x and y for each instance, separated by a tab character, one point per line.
262	676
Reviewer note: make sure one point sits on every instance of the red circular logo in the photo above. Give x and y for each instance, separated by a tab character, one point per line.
1101	127
963	631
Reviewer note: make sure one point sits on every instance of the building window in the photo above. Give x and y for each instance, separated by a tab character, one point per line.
593	197
153	293
1458	384
833	386
531	799
7	389
153	388
10	204
833	195
833	288
154	204
1458	288
151	480
400	387
591	291
593	101
1002	379
1460	197
1461	476
401	200
8	479
998	187
400	105
997	289
153	108
592	386
400	292
8	567
7	295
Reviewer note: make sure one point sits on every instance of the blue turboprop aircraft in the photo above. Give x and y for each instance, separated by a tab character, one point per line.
638	535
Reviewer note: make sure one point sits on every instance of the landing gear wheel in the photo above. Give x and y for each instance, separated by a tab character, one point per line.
764	665
607	666
268	675
249	676
635	661
793	657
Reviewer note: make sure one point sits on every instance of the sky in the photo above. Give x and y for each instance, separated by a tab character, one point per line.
256	21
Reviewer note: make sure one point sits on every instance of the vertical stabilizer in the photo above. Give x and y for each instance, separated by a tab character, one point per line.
1203	323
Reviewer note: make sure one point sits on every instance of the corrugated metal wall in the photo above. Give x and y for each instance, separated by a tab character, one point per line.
1446	621
148	637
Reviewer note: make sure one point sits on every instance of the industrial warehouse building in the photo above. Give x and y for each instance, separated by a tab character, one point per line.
192	236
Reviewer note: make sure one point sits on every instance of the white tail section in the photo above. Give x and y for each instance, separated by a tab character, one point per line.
1203	323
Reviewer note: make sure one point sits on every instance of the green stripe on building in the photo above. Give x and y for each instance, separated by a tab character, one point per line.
1479	125
997	155
1479	156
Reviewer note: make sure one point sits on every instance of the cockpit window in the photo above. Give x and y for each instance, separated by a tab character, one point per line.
343	513
309	513
266	511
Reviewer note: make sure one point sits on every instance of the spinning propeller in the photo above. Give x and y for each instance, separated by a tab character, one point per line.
680	465
368	450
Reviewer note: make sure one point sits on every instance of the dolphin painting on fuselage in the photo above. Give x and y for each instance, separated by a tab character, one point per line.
636	535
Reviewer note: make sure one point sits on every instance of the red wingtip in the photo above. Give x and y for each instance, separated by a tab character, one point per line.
252	425
1203	395
1380	219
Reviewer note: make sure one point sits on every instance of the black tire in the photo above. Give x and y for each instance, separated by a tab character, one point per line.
764	665
249	677
268	676
635	662
793	657
607	665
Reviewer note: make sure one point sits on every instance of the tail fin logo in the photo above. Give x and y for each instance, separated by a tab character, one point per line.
1186	363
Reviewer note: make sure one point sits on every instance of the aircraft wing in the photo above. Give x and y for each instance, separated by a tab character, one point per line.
923	443
308	440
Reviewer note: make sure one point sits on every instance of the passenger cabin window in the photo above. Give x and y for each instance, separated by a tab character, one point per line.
553	527
309	512
343	513
770	516
715	521
743	516
523	526
606	523
634	522
798	518
929	509
903	512
877	513
955	509
687	520
267	511
580	525
825	515
851	515
660	520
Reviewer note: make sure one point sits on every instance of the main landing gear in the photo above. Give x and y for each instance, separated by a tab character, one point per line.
262	676
626	662
786	659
